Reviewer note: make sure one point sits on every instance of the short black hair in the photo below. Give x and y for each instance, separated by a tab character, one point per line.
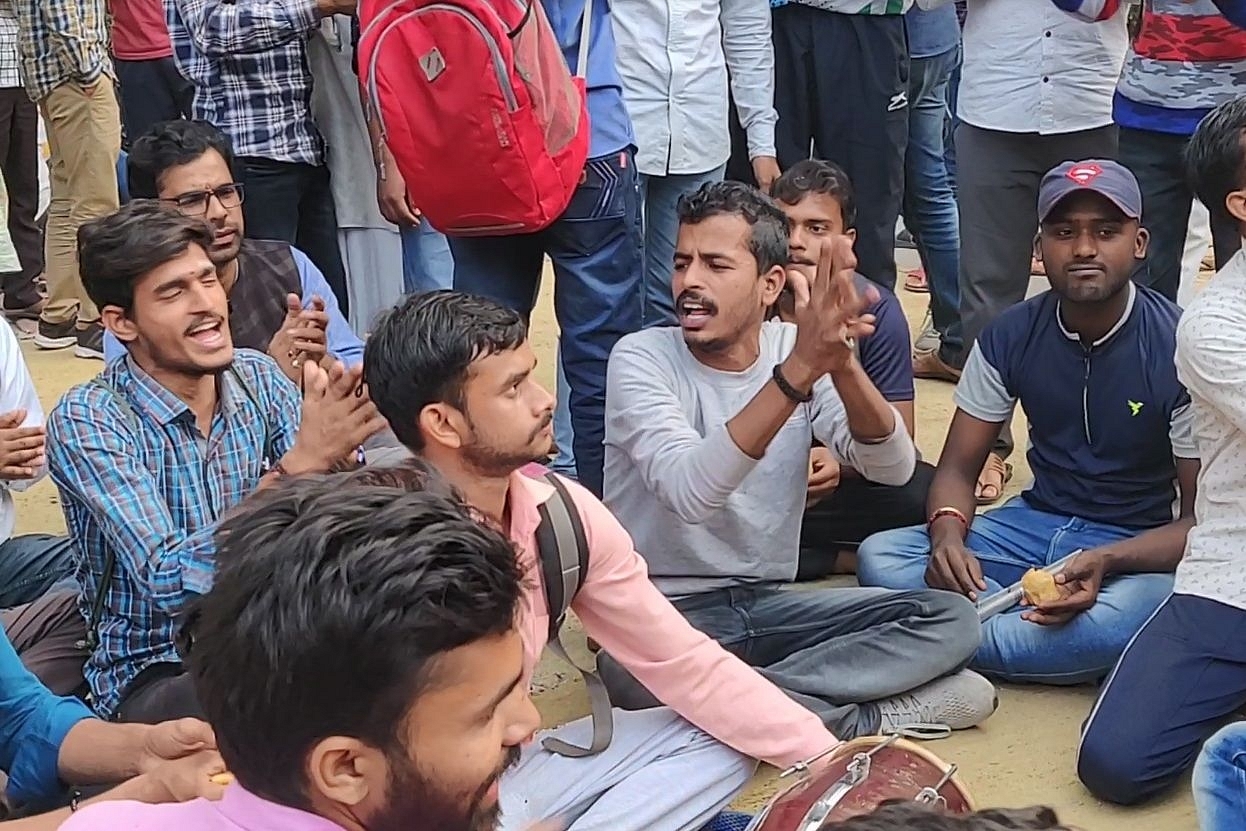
118	250
817	176
419	353
914	816
170	144
334	596
768	238
1215	157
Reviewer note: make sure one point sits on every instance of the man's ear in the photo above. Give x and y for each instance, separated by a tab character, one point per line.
443	424
851	234
116	321
1038	246
1141	243
772	283
343	771
1235	204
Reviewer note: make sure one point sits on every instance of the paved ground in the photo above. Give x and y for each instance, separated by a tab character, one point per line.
1022	756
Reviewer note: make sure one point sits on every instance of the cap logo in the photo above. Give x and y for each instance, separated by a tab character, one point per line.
1084	174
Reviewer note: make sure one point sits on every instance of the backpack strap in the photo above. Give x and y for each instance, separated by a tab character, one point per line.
562	547
586	30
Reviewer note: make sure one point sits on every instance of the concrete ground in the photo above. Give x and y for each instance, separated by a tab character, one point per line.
1024	755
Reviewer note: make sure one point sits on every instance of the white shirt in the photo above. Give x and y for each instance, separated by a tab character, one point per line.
1211	362
674	57
17	392
703	514
1031	68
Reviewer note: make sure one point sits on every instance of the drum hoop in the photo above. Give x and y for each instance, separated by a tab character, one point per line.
866	742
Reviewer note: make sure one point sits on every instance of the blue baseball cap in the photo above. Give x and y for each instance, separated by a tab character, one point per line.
1106	178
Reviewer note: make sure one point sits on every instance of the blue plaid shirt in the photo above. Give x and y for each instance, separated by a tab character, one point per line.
248	62
145	485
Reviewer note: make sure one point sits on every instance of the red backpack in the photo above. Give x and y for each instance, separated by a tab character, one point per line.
474	99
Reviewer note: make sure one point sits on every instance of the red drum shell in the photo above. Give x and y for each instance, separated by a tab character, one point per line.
897	772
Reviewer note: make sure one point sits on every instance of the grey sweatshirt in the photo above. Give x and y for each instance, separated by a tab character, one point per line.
703	514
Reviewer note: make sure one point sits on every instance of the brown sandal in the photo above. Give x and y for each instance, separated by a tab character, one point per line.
996	473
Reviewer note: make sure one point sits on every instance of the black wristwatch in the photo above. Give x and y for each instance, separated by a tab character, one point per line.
787	389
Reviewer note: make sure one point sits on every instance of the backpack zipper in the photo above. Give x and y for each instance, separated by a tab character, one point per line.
499	67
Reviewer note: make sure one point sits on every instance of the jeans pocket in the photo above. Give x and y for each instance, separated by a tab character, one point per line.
600	210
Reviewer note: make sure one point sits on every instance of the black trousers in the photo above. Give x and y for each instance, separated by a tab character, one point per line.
19	162
854	511
292	202
162	692
1157	159
841	86
151	91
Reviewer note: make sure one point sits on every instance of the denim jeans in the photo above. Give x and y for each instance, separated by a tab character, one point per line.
597	249
1008	541
659	196
31	564
929	202
427	264
1220	781
832	650
564	434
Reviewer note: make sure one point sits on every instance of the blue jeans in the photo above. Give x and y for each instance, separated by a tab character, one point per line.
598	254
564	435
929	202
1220	781
1008	541
427	264
1183	675
32	564
660	197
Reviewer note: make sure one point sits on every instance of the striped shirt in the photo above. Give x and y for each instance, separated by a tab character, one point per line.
248	62
1188	58
62	41
142	484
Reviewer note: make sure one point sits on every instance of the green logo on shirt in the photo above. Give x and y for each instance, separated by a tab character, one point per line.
1135	407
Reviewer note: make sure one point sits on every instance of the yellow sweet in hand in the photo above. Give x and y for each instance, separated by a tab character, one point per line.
1039	587
222	778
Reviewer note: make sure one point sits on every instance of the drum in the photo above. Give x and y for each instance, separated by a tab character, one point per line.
856	778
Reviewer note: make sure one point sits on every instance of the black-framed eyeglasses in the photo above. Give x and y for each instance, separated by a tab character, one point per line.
196	202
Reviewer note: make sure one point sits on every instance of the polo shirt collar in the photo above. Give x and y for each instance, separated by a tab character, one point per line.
1116	327
248	811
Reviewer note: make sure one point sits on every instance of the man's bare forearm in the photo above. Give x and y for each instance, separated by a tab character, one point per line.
96	752
1155	551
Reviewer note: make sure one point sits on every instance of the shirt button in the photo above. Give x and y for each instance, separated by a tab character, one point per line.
1046	79
1047	34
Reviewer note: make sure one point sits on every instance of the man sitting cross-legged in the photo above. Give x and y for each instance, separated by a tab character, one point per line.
708	429
361	659
453	373
1184	674
844	507
1091	363
168	439
279	302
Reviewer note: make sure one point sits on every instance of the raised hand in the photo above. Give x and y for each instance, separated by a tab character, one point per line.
302	337
22	449
829	310
338	416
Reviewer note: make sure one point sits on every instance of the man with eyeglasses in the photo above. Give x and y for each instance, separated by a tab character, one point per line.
279	302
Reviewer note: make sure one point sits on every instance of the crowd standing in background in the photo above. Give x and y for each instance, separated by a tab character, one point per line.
308	572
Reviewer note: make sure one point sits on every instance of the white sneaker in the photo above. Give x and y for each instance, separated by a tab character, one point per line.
958	701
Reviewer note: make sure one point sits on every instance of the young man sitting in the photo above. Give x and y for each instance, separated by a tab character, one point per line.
454	375
708	430
279	302
1091	363
1190	657
360	660
843	506
166	440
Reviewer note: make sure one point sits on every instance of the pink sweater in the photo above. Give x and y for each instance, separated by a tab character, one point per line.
625	613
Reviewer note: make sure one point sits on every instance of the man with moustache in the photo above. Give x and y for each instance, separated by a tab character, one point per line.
1111	447
167	440
279	301
360	660
708	430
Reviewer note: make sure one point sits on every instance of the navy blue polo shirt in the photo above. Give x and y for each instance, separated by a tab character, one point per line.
887	355
1106	420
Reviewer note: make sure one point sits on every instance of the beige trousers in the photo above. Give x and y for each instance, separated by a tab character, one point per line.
84	136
